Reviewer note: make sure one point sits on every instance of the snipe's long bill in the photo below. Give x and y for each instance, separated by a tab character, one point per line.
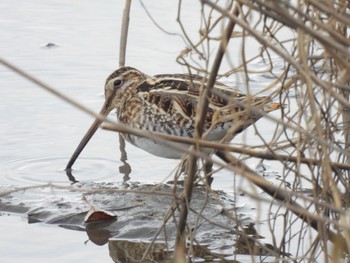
167	104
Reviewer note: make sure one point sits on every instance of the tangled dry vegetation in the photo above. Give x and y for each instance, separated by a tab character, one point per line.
312	138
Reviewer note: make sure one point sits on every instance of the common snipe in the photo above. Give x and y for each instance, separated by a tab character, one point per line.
167	104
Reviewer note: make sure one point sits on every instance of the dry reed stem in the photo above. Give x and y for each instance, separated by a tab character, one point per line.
122	58
266	155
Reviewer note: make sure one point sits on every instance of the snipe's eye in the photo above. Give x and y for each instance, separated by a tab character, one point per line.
118	83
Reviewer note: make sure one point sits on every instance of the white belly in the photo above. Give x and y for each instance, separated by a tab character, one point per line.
156	148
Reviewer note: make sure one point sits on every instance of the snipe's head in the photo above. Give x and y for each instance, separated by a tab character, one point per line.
119	84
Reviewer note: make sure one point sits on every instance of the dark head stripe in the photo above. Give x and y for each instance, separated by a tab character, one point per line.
120	72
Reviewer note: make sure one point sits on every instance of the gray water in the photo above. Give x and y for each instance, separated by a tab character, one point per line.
39	132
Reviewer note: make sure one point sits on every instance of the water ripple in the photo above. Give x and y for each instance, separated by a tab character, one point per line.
51	170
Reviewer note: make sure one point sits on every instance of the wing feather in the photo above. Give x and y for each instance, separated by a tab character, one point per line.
174	99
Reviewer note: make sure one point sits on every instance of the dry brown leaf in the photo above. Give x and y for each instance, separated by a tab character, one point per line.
96	214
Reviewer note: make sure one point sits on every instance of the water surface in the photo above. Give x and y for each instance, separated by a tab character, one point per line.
39	132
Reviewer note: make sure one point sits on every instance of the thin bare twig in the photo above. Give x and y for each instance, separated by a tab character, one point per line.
201	113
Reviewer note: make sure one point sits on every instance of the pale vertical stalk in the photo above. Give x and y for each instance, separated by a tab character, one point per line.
200	120
122	54
124	33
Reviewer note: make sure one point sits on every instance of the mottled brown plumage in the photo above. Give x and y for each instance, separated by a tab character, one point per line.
168	104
